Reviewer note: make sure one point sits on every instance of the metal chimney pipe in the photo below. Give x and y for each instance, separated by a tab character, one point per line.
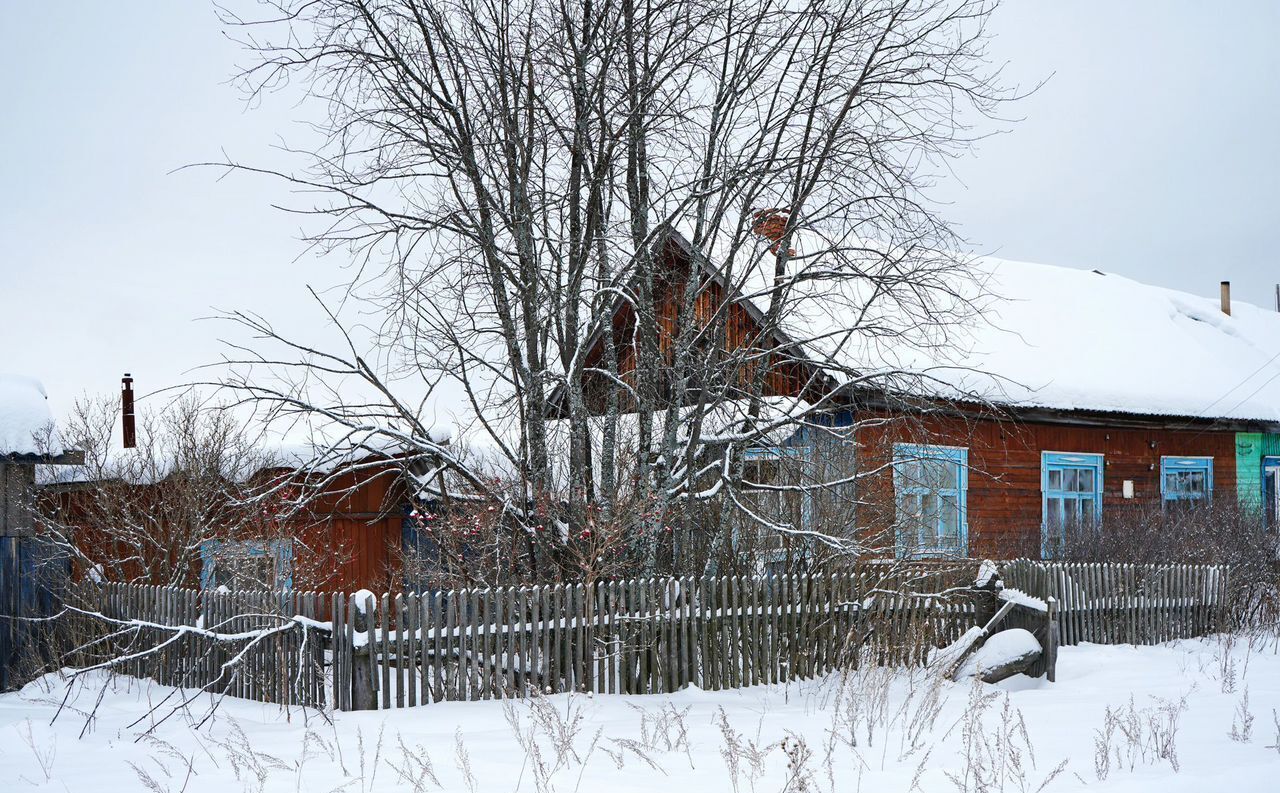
1225	298
128	428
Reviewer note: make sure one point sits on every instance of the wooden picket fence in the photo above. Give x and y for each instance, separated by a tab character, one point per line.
276	656
1110	603
639	636
636	636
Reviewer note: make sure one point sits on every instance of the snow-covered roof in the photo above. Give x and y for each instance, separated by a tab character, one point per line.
1082	340
25	421
1034	335
268	454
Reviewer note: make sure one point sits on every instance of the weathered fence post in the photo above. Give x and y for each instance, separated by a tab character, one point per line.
364	661
1051	641
986	598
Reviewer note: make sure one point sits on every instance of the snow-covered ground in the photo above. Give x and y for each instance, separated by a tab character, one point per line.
1120	718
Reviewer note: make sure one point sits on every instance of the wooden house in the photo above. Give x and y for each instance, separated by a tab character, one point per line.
1070	396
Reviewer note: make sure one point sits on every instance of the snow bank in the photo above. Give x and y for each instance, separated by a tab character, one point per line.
25	419
689	740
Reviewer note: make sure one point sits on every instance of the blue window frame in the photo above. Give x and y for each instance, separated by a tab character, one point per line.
931	484
1071	498
1271	492
240	565
1186	479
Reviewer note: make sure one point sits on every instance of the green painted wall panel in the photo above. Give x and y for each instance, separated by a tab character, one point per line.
1251	447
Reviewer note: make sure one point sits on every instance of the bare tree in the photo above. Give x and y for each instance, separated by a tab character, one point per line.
153	513
633	241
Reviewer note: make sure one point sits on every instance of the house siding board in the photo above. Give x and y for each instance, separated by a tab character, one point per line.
356	533
1004	495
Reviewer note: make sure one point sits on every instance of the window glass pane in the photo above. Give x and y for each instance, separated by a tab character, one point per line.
948	475
929	516
1086	480
950	519
1171	483
1054	517
1087	513
1070	480
763	472
909	470
243	567
1055	479
1195	482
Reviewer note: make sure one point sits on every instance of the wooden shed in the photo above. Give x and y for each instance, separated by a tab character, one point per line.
31	571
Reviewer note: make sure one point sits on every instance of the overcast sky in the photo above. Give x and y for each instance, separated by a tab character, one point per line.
1151	152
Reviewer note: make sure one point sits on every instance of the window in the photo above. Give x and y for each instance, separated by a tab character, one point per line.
1071	494
776	466
1271	491
240	566
931	483
1186	479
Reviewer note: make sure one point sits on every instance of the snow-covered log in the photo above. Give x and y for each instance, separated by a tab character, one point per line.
1002	655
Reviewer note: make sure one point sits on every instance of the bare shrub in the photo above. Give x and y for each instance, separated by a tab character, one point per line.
150	514
1131	736
1242	721
997	753
743	757
1219	533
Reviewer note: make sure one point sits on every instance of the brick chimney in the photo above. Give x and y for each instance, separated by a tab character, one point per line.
772	225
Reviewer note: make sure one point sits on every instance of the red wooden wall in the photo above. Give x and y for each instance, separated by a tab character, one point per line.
1004	498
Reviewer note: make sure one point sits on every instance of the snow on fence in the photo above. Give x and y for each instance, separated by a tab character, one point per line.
1110	603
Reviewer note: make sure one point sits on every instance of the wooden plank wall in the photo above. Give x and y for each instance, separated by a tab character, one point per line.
33	575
